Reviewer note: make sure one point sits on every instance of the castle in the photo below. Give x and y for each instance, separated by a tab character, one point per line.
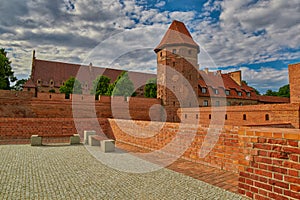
178	76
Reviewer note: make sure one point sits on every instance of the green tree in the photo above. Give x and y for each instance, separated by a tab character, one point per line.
100	86
270	93
19	84
6	72
150	88
123	86
284	91
71	86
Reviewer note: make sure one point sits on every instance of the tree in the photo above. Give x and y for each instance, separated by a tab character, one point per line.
100	86
284	91
19	84
150	88
71	86
270	93
6	72
123	86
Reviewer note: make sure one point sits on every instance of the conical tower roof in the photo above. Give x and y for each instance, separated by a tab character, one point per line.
177	34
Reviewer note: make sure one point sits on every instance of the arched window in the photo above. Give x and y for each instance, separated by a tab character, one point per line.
267	117
226	117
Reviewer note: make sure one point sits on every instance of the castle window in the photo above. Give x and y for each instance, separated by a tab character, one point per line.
267	117
248	94
185	116
160	54
205	103
228	103
217	103
39	82
227	92
226	117
239	93
209	116
174	51
196	116
244	117
240	103
190	52
173	64
174	103
216	91
203	90
51	82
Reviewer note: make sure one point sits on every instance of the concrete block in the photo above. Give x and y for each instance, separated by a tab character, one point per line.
86	136
107	146
75	139
35	140
93	141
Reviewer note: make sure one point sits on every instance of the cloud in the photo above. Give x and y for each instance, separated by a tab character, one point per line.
160	4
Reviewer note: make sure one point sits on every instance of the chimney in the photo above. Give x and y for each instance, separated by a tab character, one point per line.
237	77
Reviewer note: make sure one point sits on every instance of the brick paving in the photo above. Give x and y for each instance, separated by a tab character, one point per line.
220	178
71	172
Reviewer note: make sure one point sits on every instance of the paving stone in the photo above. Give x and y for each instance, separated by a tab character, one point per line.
71	172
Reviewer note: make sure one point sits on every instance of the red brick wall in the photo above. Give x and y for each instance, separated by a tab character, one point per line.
286	115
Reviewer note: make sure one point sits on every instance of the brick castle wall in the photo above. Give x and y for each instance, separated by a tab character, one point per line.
273	115
294	77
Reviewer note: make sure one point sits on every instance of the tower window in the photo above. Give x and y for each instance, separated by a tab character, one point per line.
244	117
209	116
196	116
185	116
205	103
160	54
267	117
226	117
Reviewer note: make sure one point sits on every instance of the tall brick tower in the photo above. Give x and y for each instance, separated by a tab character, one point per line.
294	77
177	70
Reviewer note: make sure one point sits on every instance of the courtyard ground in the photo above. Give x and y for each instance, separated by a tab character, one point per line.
72	172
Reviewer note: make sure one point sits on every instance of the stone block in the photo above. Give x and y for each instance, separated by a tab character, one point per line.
35	140
107	146
75	139
93	141
86	136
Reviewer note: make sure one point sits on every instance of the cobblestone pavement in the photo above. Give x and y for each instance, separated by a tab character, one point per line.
71	172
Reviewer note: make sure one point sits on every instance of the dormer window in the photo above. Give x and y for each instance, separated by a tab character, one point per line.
216	91
239	93
227	92
174	51
248	94
203	90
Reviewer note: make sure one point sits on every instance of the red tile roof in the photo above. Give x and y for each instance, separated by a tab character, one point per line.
58	72
273	99
177	34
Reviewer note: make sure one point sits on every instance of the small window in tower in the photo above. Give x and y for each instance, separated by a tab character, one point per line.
226	117
205	103
174	51
267	117
173	64
185	116
39	81
244	117
196	116
174	103
209	116
190	76
160	54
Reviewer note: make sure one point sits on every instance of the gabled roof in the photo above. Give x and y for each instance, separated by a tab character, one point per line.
58	72
177	34
274	99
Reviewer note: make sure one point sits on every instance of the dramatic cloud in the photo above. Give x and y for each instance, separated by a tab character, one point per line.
230	32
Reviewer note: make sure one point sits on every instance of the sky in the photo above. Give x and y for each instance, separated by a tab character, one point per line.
258	37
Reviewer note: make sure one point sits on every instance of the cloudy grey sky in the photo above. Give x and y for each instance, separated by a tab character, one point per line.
259	37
